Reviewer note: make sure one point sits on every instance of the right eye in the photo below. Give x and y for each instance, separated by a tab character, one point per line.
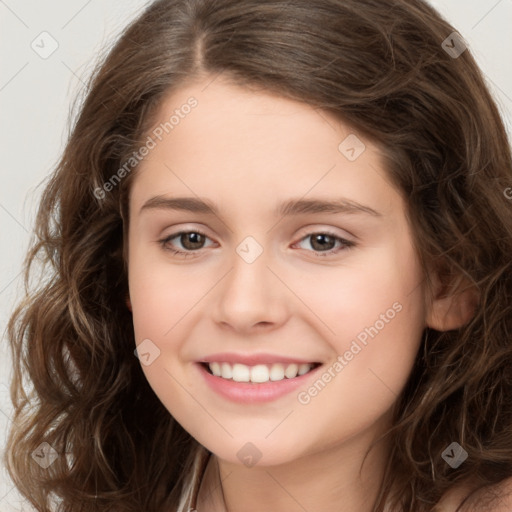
191	241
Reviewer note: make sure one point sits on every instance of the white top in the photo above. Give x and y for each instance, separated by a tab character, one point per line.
188	501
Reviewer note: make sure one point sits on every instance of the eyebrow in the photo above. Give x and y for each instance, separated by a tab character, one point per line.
286	209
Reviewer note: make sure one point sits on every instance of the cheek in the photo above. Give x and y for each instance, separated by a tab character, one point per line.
353	296
162	294
162	301
374	315
165	301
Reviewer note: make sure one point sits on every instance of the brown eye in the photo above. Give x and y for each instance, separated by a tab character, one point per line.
190	241
322	241
323	244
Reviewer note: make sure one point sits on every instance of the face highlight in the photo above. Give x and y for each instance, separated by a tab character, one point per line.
262	235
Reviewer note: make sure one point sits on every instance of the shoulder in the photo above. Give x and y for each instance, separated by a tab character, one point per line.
501	494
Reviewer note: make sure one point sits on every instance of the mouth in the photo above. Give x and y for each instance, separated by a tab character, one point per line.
259	373
256	378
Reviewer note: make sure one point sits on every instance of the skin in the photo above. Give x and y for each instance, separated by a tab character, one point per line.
246	152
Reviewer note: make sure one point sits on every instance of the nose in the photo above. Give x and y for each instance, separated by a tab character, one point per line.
251	296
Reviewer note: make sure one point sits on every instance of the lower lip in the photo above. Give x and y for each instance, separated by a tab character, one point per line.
247	392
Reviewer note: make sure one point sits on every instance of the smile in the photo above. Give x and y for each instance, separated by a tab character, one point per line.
257	382
259	373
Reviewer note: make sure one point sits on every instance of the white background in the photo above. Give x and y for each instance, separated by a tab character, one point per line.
36	95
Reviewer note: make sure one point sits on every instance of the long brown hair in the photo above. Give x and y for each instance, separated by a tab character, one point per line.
381	67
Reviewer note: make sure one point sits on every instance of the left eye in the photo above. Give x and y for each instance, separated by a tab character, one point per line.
192	241
325	243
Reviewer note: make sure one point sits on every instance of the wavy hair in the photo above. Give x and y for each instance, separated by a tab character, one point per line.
377	65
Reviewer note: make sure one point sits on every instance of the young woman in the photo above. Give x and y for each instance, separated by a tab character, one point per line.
279	248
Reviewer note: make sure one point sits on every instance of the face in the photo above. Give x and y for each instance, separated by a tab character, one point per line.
320	306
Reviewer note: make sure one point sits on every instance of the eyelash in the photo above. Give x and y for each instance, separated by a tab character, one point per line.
346	244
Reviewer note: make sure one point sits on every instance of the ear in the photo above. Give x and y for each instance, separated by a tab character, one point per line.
128	302
454	308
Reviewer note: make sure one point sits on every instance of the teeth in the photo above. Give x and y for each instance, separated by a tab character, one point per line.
304	368
216	370
259	373
291	371
241	373
277	372
226	371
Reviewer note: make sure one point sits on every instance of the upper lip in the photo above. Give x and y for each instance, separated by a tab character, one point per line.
253	359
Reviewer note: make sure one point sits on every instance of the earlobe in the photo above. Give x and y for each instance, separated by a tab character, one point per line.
128	303
449	313
452	311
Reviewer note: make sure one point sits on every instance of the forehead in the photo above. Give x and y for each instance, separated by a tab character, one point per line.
240	145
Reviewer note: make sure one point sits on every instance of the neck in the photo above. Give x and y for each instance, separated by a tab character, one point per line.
330	480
